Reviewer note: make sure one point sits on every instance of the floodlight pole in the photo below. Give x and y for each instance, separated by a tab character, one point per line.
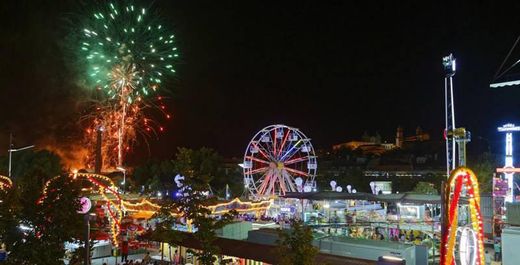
454	136
86	219
11	150
449	69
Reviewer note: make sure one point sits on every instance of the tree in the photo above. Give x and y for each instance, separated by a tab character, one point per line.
154	175
295	245
35	225
201	165
198	167
484	167
425	188
193	208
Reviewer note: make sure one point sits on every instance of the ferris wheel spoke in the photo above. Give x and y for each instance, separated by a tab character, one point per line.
296	160
264	181
283	188
267	145
258	170
276	177
262	151
290	180
257	159
274	143
269	149
283	143
291	151
297	172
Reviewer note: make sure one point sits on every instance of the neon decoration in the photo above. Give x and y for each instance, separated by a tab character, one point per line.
149	208
240	206
86	204
462	181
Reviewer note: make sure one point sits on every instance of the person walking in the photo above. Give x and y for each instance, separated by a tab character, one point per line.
147	259
124	251
498	249
487	257
176	258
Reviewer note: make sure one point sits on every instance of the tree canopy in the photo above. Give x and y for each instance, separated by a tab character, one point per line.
199	168
34	225
295	245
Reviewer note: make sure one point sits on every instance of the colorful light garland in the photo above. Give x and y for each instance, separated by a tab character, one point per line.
5	183
115	207
102	188
461	179
249	206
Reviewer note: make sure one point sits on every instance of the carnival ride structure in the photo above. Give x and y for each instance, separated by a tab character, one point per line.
462	242
277	160
454	136
461	181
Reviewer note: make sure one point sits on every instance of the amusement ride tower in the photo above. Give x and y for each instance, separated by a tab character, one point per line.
454	136
509	169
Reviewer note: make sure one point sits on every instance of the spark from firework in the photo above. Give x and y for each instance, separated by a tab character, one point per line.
127	54
107	118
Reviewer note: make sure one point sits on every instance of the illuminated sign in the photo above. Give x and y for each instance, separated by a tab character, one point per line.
509	128
500	187
384	186
86	204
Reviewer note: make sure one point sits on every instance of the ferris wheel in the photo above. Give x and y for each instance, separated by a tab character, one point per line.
277	160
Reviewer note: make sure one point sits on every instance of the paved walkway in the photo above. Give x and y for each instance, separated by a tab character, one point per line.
112	260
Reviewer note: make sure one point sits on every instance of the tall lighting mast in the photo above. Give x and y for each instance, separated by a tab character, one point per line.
454	136
449	71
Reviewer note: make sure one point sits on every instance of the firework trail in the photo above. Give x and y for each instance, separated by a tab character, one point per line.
126	54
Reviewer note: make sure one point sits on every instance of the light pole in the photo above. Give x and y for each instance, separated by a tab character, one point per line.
122	169
11	150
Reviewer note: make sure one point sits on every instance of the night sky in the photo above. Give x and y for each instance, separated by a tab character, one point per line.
334	69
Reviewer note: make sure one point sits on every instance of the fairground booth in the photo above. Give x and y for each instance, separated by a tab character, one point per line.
389	222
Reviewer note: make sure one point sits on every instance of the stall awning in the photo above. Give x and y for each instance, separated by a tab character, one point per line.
401	197
262	252
330	195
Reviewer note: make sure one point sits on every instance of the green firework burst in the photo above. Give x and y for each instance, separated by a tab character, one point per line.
127	51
